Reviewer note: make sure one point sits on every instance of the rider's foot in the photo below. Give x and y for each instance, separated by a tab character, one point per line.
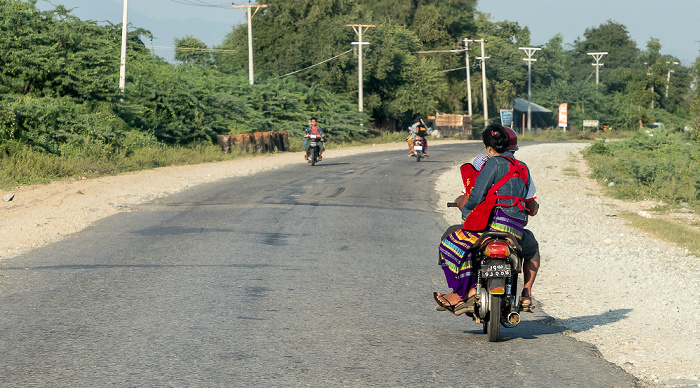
452	302
320	158
526	304
306	157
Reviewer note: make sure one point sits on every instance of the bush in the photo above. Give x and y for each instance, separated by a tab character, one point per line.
649	165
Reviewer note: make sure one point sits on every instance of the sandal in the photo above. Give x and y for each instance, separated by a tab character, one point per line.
526	305
465	306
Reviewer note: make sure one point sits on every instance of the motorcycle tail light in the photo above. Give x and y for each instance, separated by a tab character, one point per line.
497	249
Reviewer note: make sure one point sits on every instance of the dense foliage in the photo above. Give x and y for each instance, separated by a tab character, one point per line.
652	164
401	80
59	75
59	85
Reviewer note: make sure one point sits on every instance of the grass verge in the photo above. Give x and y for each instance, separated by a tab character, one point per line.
670	231
20	164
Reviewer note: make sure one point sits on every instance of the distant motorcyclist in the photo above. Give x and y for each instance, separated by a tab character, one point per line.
418	129
314	129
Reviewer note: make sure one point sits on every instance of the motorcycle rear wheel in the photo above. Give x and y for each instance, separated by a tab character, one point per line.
417	157
493	325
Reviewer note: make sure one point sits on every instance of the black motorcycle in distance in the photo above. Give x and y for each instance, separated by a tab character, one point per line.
314	148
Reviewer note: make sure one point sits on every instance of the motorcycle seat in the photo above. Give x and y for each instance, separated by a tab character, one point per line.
487	237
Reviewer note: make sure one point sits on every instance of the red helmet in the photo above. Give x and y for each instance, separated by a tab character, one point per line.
513	139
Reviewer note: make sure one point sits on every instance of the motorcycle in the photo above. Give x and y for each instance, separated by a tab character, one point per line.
497	260
418	149
314	148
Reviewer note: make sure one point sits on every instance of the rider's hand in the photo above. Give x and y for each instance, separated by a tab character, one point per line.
532	207
461	201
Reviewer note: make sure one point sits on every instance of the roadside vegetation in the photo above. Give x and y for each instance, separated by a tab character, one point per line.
62	114
651	164
659	166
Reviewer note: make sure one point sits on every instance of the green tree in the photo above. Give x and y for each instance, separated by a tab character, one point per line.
612	38
304	32
192	50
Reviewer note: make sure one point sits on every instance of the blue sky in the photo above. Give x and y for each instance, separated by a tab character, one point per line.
674	22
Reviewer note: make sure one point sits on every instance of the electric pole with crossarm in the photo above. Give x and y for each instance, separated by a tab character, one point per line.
249	16
122	63
483	59
359	30
529	51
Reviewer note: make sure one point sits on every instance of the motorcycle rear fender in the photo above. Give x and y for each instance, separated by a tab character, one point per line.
496	286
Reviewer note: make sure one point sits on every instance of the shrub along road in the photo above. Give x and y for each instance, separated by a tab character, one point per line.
294	276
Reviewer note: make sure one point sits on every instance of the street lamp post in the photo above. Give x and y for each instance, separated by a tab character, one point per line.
529	51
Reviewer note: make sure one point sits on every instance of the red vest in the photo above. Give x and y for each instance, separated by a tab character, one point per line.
479	218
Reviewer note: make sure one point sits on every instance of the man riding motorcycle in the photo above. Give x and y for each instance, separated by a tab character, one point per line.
314	129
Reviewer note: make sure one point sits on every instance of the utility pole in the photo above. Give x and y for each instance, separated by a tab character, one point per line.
650	67
483	59
668	79
249	16
359	30
597	65
469	80
122	65
529	51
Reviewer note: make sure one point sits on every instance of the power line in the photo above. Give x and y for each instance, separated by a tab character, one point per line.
455	69
439	51
199	3
194	49
320	63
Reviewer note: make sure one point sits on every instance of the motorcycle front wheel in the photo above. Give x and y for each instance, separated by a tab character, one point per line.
493	325
313	156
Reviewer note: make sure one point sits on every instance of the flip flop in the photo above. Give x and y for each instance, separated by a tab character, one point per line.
457	309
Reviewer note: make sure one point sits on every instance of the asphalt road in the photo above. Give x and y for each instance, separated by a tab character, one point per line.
299	276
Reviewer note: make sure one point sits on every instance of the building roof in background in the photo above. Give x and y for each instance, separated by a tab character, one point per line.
521	106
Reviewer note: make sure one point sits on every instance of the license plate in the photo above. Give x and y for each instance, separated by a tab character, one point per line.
312	144
495	271
418	148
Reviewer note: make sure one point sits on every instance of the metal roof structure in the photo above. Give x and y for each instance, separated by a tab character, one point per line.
520	105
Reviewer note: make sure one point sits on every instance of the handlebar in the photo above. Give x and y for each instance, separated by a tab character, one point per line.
452	204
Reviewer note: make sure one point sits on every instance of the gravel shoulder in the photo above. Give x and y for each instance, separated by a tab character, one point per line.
633	297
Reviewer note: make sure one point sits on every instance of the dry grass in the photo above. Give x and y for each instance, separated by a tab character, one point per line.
674	232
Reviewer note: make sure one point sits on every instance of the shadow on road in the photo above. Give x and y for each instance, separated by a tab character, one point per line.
323	164
587	322
541	325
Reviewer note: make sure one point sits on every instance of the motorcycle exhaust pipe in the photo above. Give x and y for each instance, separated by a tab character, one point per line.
512	320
